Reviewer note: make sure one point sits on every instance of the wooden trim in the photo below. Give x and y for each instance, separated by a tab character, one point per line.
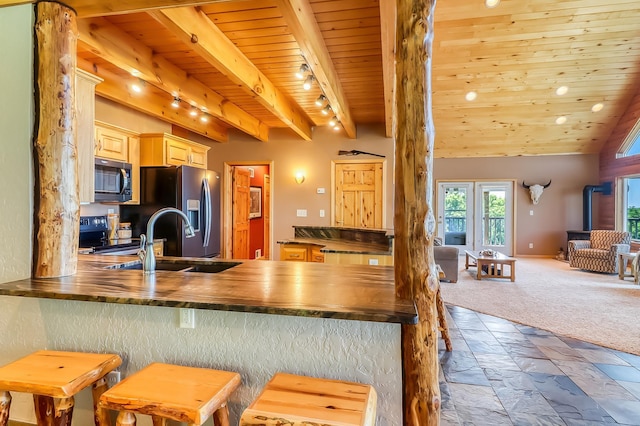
219	51
304	27
125	52
387	36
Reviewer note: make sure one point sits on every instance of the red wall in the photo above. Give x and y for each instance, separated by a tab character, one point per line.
256	225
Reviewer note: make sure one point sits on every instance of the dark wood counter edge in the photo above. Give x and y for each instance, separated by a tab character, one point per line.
64	290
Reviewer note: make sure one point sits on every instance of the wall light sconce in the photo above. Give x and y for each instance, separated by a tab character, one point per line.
308	82
299	177
326	110
321	100
304	68
176	102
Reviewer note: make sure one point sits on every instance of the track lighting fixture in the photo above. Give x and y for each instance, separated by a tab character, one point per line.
304	68
333	121
321	100
176	102
204	118
336	126
326	110
193	112
138	86
308	82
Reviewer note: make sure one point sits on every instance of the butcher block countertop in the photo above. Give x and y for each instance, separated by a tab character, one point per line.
351	292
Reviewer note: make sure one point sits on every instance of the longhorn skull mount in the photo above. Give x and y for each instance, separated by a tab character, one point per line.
535	190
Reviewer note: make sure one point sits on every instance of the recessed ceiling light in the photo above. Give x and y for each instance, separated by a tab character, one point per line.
561	120
471	96
597	107
491	3
562	90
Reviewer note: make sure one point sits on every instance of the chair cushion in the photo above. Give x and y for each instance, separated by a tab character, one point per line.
591	253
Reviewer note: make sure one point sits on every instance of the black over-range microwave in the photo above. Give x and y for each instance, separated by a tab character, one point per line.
112	181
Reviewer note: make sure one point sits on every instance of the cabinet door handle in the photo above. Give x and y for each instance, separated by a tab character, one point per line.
294	255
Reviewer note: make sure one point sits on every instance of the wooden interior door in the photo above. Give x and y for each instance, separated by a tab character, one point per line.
241	203
266	215
358	195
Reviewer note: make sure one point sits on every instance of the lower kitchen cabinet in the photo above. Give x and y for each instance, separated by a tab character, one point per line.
301	253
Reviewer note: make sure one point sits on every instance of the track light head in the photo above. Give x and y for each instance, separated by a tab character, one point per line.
304	68
333	121
326	110
308	82
193	112
321	100
176	102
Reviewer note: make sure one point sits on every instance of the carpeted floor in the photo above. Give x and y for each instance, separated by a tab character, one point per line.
596	308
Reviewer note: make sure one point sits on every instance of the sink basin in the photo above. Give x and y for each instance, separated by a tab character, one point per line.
210	268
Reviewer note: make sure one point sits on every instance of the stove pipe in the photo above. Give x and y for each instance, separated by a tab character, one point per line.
587	195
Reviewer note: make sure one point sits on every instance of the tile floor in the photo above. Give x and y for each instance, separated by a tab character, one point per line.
503	373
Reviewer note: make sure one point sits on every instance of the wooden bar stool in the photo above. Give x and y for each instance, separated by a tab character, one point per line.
163	391
54	377
297	400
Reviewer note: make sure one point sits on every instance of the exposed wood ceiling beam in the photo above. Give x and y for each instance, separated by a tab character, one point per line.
197	31
113	88
122	50
388	39
304	27
93	8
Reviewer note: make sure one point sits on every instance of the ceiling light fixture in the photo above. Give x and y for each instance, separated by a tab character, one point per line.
308	82
597	107
193	112
491	3
326	110
336	126
561	120
321	100
333	121
304	68
471	96
176	102
204	118
137	86
562	90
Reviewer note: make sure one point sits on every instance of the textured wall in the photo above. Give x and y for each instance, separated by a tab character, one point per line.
254	345
16	121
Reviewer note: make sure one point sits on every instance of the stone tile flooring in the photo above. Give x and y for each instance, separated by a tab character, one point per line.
503	373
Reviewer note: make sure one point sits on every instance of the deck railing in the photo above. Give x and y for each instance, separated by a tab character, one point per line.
494	234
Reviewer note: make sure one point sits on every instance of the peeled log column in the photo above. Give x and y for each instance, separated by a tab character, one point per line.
415	271
56	193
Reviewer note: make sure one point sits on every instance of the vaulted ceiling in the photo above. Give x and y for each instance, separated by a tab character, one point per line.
236	60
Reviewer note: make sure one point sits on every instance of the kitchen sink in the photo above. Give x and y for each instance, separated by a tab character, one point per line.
210	268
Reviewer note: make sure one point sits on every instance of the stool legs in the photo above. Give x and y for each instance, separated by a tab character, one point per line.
126	418
5	404
221	416
158	421
101	417
53	411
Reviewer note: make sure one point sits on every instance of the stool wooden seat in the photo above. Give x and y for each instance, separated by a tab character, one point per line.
164	391
54	377
300	400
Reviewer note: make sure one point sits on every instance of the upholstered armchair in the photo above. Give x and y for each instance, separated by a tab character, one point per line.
600	252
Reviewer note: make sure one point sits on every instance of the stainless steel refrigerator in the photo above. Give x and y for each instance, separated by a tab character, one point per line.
194	191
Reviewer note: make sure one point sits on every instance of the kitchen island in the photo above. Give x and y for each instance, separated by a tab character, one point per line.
257	318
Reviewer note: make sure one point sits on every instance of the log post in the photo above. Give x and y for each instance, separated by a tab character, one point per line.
414	224
57	207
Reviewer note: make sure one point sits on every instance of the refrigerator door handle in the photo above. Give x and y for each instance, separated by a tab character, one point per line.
207	212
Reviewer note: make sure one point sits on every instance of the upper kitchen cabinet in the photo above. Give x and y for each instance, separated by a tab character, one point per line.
162	149
85	112
116	143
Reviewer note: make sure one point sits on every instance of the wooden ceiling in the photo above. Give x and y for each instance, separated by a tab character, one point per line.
237	60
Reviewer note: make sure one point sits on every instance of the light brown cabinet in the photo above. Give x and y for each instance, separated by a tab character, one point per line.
301	253
85	112
162	149
116	143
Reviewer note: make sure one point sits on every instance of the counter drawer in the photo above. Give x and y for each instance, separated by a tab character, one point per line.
298	254
317	255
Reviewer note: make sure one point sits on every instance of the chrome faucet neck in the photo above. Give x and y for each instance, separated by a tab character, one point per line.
146	252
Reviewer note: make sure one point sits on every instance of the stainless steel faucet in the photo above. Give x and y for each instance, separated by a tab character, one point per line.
146	253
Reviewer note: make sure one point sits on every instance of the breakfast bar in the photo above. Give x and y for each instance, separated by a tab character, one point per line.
256	318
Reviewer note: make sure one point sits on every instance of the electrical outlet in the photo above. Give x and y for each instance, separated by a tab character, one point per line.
113	377
187	318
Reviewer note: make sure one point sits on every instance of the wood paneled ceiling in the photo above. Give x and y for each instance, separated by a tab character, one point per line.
237	59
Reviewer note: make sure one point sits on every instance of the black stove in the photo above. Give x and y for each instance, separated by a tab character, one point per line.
93	235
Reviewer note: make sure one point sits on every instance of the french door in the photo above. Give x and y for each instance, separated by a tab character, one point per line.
476	215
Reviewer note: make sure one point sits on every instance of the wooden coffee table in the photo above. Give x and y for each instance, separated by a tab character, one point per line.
491	266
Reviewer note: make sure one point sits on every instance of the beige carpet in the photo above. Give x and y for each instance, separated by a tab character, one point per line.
597	308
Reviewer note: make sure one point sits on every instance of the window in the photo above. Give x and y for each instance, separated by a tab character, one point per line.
630	206
631	144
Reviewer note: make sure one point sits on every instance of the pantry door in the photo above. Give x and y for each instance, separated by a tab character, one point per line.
358	194
241	203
